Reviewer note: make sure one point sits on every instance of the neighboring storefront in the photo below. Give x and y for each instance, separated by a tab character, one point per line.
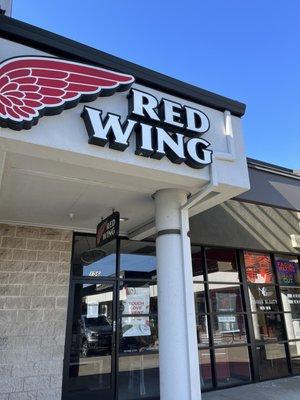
195	284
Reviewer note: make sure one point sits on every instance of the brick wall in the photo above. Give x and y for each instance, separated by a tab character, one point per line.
34	284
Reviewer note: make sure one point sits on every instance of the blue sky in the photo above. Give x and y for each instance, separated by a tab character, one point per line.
248	50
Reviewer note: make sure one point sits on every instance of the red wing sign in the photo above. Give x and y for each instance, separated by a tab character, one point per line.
31	87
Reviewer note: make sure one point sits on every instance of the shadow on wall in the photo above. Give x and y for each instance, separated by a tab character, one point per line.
246	225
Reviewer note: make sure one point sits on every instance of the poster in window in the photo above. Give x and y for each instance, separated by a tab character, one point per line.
258	267
137	301
135	308
135	326
226	301
288	271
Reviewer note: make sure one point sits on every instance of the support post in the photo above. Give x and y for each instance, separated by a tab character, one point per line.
178	350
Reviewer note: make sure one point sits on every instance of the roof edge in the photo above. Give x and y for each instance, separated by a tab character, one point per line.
253	161
52	43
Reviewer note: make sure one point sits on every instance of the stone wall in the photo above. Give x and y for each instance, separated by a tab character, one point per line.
34	284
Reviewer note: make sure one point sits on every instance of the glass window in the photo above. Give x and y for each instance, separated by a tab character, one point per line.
89	260
90	363
202	330
292	323
268	327
295	356
205	369
138	260
225	298
290	297
232	365
229	329
288	270
221	265
138	322
199	296
263	298
197	263
272	362
138	377
258	267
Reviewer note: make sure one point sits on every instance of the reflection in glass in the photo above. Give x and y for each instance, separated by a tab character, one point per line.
229	329
292	323
232	365
138	260
138	377
221	265
268	327
272	361
288	270
202	330
263	298
258	267
205	369
92	261
199	296
225	298
295	356
91	340
291	299
197	263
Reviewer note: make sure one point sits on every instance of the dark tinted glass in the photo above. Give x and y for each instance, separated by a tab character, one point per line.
90	362
202	330
268	327
272	362
233	365
295	356
197	263
199	296
205	369
221	265
92	261
138	260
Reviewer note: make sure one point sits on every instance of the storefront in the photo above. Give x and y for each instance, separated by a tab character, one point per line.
197	289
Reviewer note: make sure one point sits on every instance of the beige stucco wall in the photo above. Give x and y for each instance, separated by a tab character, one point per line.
34	284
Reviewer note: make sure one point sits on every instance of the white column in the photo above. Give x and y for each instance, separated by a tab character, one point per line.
178	350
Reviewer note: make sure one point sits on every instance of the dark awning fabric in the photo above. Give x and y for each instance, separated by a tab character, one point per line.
277	188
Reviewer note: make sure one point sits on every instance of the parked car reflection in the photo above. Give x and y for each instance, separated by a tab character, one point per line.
96	333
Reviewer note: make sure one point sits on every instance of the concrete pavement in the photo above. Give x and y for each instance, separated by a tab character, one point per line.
280	389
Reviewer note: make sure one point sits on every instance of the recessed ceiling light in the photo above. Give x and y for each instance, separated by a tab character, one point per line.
123	219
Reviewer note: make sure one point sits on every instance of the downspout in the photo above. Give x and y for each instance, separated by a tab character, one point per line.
192	201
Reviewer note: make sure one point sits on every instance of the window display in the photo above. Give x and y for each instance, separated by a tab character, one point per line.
288	270
258	267
263	298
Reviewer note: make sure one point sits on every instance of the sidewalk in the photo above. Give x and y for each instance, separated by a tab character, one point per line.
280	389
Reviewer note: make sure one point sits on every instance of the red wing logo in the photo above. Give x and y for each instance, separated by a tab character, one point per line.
31	87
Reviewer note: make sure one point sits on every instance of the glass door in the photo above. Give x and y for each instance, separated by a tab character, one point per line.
91	368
